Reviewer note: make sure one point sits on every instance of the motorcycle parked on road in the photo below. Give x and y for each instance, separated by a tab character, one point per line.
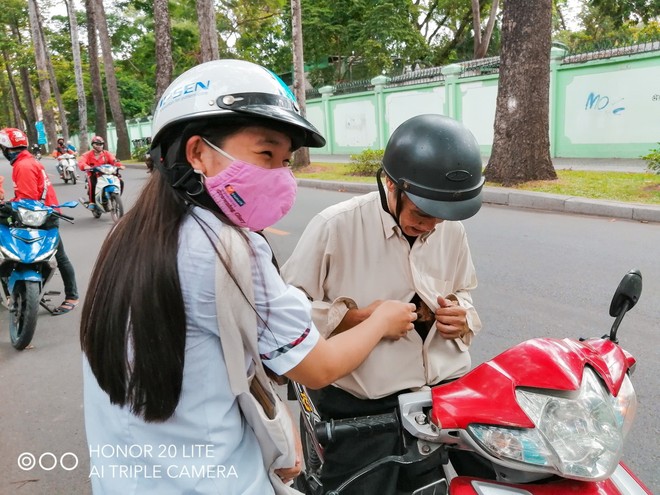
107	193
67	167
546	417
29	238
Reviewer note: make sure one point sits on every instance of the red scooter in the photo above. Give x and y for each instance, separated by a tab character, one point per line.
545	417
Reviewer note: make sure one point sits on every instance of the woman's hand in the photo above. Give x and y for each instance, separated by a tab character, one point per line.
356	316
396	318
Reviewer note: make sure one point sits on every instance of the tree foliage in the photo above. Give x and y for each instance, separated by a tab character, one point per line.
622	11
343	40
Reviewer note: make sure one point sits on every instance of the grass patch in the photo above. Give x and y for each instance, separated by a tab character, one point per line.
628	187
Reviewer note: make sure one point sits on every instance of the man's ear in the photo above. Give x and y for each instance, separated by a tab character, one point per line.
195	151
390	184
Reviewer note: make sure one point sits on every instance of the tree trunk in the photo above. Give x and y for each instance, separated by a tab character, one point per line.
8	101
77	67
100	117
208	35
164	64
123	146
481	41
30	108
42	74
521	145
302	155
53	81
19	111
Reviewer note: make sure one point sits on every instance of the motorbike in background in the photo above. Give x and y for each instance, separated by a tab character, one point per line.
66	166
29	238
546	417
36	151
107	193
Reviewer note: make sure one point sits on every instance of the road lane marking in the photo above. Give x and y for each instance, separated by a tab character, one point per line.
271	230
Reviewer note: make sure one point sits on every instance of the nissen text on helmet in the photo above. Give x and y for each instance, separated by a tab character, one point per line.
183	91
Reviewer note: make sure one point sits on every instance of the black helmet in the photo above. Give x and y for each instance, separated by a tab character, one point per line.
436	161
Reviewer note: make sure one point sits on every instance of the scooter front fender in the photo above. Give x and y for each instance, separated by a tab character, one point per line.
622	482
109	190
23	273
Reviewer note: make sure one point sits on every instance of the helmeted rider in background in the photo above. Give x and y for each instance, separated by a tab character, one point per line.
60	150
31	182
402	242
93	158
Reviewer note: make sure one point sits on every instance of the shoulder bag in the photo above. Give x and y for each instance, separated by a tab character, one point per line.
262	408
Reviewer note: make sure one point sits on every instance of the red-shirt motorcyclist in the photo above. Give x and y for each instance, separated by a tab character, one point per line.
32	182
60	150
94	157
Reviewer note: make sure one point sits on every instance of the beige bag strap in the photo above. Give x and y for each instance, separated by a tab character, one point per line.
237	318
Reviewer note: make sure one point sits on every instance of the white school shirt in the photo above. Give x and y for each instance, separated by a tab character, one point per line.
352	254
205	447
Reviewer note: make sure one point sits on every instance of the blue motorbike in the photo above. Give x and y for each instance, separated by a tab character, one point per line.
29	238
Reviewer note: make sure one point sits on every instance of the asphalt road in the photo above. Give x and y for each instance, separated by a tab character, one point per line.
540	275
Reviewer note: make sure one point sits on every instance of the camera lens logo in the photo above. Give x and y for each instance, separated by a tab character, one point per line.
47	461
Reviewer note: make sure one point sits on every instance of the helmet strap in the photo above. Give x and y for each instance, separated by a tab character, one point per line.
182	177
383	198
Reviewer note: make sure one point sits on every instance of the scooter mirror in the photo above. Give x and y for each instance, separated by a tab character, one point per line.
70	204
627	293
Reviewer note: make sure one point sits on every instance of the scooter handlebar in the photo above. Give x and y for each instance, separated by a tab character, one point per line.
328	432
63	216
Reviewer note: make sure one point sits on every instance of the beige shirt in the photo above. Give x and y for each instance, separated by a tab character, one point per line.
352	254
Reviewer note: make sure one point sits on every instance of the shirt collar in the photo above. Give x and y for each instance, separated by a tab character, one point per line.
390	227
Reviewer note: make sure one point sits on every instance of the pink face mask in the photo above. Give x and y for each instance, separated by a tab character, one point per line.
252	196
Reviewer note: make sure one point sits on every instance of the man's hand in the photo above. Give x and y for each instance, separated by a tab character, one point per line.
450	319
288	474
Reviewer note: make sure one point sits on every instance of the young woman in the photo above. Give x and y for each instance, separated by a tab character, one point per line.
159	413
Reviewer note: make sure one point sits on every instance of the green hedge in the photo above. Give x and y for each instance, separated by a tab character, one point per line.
366	163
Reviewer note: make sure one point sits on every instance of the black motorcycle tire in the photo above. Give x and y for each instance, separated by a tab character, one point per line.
73	178
116	207
23	313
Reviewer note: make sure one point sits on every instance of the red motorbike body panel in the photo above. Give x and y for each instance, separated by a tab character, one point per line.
463	486
486	395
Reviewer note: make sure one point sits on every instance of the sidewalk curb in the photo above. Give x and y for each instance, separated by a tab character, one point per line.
528	200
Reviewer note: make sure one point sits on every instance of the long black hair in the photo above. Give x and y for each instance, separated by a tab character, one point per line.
133	325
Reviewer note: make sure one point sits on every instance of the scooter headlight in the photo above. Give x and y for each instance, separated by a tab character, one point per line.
578	435
32	218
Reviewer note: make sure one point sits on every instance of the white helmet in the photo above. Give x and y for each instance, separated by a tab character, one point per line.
230	88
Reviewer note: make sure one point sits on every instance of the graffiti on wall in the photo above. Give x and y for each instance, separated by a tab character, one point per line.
609	108
603	103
